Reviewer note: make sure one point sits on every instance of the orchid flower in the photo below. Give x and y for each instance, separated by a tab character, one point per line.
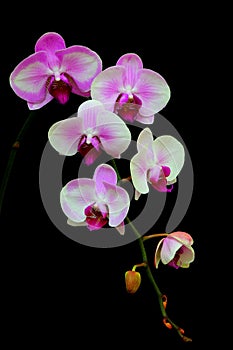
158	162
131	91
175	250
90	132
55	71
96	202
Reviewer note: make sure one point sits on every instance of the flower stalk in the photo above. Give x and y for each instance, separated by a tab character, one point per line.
14	150
162	299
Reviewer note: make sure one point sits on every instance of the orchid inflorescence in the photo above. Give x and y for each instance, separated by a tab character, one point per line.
125	92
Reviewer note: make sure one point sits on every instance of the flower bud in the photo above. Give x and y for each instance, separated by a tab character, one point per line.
132	281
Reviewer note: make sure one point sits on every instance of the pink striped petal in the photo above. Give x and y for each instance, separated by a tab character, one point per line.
64	136
169	249
153	91
109	192
119	208
76	196
34	106
169	152
104	173
130	59
81	64
132	63
139	165
28	79
50	42
113	133
107	86
88	111
145	140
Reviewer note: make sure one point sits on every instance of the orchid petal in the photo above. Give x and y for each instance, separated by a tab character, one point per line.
138	170
107	86
75	196
50	42
157	256
145	140
113	133
88	111
28	79
47	99
80	63
64	135
104	173
132	59
119	208
121	228
182	237
153	91
137	194
132	63
169	249
186	257
169	152
109	192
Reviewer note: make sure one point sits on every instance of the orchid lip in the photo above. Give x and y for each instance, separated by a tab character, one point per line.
60	89
127	106
88	143
94	218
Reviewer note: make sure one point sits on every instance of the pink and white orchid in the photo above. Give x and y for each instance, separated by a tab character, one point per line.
96	202
175	250
90	132
55	71
131	91
158	162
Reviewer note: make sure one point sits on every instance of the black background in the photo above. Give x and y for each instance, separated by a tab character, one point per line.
55	290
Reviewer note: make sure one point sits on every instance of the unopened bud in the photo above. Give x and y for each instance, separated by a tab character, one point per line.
167	323
132	281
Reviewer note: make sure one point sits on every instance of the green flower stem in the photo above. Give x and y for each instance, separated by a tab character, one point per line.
148	270
116	169
161	297
14	149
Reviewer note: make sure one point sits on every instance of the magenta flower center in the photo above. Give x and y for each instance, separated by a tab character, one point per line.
87	143
60	88
127	106
159	181
173	262
94	218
